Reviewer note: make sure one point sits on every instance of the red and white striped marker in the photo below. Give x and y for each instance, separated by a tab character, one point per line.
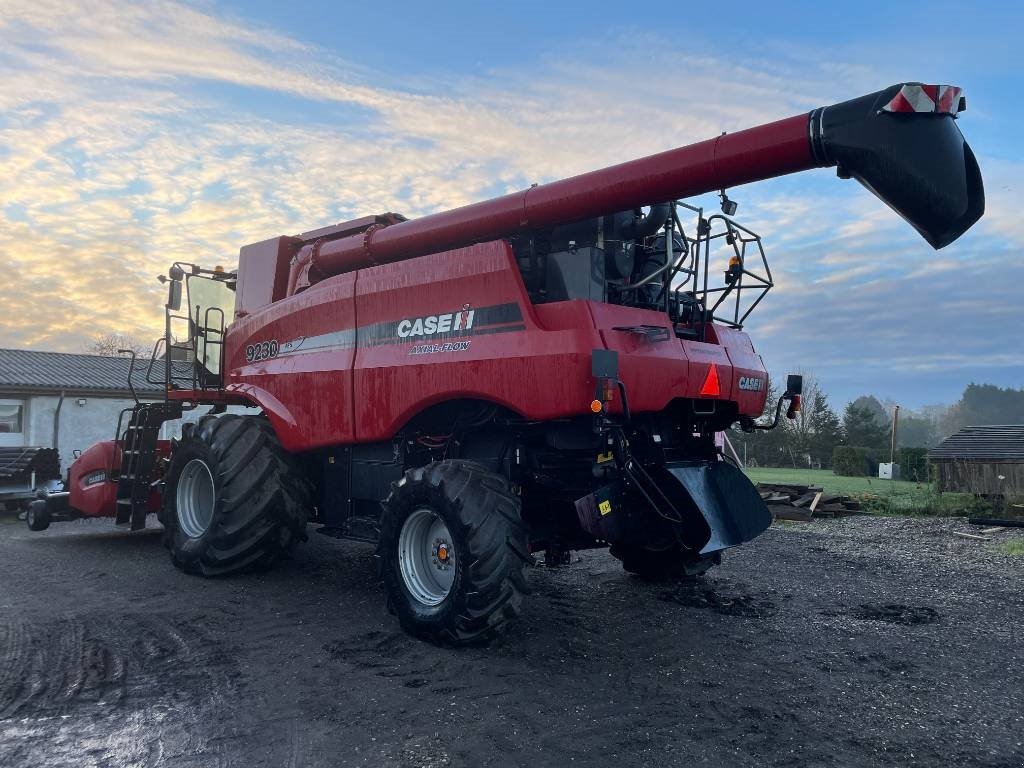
941	99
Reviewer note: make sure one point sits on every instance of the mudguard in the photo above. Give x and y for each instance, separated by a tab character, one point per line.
729	502
717	508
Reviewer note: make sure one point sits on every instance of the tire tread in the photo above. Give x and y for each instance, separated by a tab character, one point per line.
264	498
494	580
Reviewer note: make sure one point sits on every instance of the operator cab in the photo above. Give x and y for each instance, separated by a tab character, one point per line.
193	342
649	260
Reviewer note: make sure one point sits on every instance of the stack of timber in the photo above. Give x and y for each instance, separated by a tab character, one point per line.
805	502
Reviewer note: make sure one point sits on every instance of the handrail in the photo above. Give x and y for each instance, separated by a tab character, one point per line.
131	373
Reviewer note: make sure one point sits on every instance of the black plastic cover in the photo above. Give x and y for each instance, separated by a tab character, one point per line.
729	502
917	163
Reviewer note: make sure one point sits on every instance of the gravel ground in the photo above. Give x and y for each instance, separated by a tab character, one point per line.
855	642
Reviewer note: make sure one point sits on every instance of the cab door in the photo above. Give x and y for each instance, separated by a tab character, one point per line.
211	302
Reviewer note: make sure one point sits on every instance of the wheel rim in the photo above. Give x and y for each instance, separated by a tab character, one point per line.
426	557
195	498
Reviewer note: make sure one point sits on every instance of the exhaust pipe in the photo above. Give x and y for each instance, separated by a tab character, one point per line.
904	146
902	143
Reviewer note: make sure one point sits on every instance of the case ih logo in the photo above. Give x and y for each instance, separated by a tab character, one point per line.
434	324
751	383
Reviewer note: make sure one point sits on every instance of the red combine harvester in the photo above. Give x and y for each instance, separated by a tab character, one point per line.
544	371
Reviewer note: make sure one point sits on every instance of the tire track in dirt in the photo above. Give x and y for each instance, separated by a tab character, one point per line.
111	689
52	668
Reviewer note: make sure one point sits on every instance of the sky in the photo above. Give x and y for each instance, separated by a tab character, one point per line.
136	134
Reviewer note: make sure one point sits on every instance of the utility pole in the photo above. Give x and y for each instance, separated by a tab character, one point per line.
895	422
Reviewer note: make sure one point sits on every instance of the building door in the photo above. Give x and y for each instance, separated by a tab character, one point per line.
12	423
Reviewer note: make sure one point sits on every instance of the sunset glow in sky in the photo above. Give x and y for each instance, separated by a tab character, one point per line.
136	134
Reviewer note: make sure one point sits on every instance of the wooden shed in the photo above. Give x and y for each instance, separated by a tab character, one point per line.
983	460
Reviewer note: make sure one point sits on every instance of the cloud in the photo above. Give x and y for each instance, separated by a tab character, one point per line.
135	135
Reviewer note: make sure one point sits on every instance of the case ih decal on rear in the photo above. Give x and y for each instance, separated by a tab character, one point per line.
751	383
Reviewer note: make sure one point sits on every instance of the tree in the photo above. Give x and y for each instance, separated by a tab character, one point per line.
862	428
815	431
107	345
826	429
879	412
915	431
983	404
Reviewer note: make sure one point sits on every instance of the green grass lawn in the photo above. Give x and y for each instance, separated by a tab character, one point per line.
885	496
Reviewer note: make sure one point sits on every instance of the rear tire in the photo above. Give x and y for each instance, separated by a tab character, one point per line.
453	553
664	564
234	499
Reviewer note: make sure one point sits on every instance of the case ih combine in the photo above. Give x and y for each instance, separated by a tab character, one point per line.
544	371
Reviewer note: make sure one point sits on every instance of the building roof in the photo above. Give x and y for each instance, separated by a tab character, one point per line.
25	370
1003	442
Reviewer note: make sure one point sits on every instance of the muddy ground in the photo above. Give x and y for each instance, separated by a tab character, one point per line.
859	642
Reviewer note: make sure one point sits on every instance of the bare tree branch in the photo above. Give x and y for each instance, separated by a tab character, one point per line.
107	345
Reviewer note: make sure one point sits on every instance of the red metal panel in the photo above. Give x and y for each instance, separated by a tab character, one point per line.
746	365
301	374
263	273
100	499
642	362
95	499
506	357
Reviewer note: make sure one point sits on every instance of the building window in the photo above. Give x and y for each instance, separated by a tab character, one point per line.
11	415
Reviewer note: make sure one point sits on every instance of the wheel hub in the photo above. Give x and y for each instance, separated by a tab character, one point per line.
426	557
195	498
442	554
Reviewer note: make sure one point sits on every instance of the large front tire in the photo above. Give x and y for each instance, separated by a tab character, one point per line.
234	499
453	553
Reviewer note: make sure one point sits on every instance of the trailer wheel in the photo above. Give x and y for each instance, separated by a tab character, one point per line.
664	564
37	516
234	499
453	553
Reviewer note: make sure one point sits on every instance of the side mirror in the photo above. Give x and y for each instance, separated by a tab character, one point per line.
174	295
794	384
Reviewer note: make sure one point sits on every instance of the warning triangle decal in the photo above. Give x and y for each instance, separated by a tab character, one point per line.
711	386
